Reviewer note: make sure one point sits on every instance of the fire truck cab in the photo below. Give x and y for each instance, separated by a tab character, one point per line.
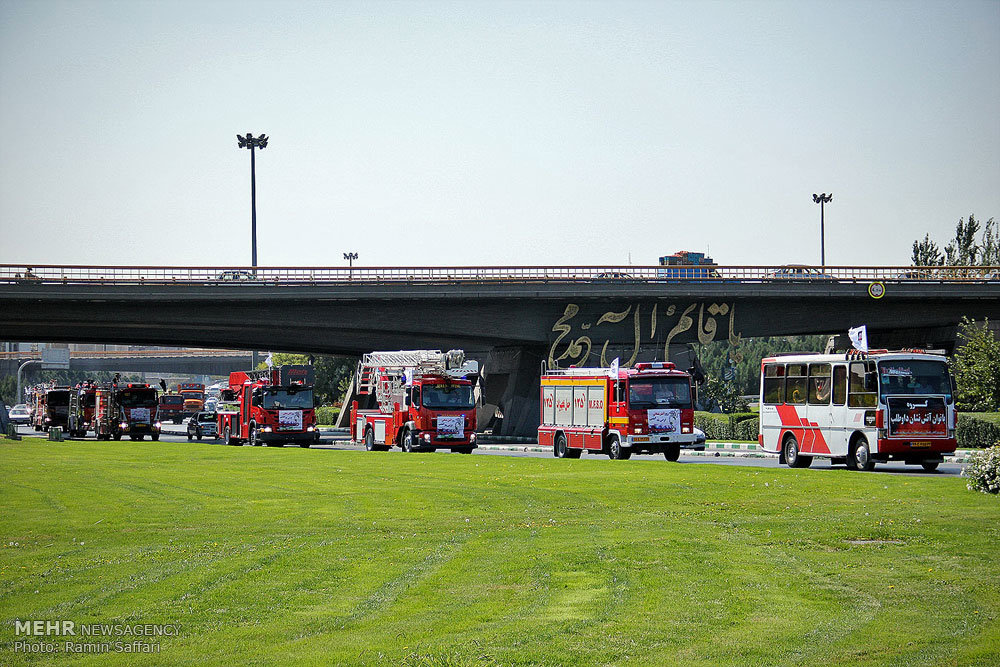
619	412
126	409
269	407
81	410
425	398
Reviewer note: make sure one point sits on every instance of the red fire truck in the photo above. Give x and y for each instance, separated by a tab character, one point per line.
81	410
126	409
424	399
172	408
270	407
619	412
51	408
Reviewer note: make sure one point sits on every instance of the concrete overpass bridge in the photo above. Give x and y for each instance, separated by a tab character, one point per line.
183	362
512	318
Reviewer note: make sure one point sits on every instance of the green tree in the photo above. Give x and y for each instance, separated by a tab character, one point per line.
977	367
333	373
968	248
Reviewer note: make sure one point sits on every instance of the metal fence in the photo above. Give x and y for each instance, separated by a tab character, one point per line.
204	275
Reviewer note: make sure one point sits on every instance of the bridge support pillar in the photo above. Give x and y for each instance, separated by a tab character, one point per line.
511	377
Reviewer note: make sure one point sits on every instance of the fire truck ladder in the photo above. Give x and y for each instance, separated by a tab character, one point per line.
383	373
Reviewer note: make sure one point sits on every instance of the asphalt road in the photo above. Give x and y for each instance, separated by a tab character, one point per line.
176	433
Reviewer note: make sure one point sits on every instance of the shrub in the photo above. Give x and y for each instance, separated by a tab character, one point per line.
975	433
740	426
983	470
327	415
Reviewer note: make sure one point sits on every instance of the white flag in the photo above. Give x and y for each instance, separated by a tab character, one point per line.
613	372
270	360
859	337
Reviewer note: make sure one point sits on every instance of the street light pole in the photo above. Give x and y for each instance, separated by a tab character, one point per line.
350	257
822	200
251	142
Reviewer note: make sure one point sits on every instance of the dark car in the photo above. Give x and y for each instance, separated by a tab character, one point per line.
202	424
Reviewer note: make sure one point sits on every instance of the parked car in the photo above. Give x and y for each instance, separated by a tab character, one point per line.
19	414
236	275
699	444
202	425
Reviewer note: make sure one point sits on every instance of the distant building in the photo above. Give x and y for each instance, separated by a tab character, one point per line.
685	258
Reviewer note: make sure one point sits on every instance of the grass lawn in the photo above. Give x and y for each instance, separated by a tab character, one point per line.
286	556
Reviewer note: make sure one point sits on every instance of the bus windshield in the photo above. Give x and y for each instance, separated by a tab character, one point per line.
448	397
276	398
663	392
913	376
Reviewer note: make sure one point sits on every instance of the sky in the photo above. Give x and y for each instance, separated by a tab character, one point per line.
493	133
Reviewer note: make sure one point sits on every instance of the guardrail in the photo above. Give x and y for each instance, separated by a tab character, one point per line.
131	354
204	275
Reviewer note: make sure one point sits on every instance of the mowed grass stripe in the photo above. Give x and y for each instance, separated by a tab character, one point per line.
269	556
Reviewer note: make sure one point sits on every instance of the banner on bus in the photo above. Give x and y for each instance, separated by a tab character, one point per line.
924	416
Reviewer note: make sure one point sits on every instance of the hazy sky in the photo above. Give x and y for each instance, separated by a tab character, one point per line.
475	133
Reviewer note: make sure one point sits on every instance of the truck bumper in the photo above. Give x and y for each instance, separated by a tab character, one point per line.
297	438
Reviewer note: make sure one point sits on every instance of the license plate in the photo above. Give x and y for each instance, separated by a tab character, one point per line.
920	443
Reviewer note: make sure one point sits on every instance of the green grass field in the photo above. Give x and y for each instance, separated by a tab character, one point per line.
290	556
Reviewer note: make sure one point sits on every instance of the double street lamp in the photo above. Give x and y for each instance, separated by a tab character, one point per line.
350	257
252	142
821	200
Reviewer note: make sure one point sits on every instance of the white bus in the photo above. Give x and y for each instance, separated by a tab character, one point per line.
858	408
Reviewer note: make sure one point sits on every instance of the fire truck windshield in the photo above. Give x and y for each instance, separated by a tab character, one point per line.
913	376
274	399
448	397
57	398
662	392
138	398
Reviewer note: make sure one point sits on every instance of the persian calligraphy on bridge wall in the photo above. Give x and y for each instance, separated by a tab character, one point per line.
581	333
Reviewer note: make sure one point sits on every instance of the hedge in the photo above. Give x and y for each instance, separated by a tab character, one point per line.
326	415
976	433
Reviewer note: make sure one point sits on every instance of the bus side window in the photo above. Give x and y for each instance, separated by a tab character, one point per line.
839	385
774	384
819	384
857	397
795	384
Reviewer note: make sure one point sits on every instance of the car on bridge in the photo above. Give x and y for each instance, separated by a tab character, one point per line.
236	276
798	272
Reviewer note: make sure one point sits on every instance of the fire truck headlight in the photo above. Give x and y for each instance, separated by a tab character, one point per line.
158	424
685	429
310	428
267	429
472	437
47	419
427	437
123	425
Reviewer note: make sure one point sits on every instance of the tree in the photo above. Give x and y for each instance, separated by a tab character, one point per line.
965	249
977	367
332	373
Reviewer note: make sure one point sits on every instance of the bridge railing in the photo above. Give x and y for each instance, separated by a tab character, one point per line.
204	275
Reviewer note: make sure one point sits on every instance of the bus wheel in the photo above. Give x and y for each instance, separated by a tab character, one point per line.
615	450
369	440
929	466
792	456
860	457
559	448
672	452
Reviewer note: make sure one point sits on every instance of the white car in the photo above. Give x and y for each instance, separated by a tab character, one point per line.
19	414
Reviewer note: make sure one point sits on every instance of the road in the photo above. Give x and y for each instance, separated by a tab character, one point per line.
177	434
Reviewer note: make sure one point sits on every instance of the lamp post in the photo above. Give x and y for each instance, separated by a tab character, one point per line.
822	200
350	257
253	142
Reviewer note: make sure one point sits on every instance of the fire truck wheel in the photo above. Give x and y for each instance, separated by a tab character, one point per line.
615	450
189	437
155	437
860	456
672	452
559	448
792	456
199	436
929	466
118	436
369	440
407	441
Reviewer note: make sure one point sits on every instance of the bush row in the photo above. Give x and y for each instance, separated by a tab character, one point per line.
973	433
737	426
327	415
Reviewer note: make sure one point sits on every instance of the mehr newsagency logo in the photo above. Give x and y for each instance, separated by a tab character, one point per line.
65	636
